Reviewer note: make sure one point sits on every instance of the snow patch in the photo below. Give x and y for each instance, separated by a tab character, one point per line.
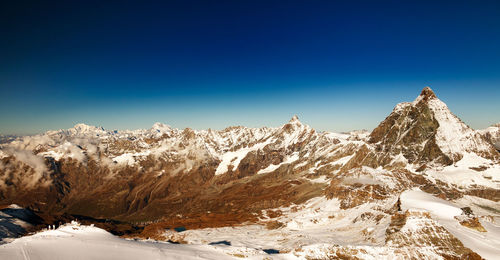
130	158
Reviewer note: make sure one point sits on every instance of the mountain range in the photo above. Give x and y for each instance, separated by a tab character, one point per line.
422	184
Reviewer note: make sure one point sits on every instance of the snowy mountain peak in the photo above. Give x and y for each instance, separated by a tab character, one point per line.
427	93
82	128
294	120
426	130
160	127
294	125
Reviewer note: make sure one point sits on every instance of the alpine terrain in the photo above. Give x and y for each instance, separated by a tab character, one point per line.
421	185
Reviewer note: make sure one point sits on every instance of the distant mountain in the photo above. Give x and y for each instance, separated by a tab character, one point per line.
291	178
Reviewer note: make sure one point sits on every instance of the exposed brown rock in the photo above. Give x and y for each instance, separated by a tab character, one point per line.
274	224
353	195
473	223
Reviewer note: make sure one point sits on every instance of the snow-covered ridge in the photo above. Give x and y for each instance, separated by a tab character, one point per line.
228	146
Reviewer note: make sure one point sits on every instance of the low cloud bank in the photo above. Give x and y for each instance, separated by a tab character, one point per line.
37	163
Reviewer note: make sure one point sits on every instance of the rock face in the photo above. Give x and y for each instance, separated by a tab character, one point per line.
164	177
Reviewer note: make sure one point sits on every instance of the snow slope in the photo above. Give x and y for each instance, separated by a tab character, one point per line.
463	175
73	241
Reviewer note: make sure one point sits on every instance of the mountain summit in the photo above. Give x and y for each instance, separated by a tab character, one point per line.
294	118
427	94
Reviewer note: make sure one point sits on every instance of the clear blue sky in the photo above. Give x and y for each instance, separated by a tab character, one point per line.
212	64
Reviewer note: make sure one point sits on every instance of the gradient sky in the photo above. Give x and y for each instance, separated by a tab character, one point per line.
212	64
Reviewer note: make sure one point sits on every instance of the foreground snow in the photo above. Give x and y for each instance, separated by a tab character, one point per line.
73	241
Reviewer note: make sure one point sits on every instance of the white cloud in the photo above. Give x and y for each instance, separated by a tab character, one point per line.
37	163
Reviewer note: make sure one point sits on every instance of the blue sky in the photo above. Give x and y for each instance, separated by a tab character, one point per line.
212	64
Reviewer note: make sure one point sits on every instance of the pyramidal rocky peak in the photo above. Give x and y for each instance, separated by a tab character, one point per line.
294	118
291	184
426	131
